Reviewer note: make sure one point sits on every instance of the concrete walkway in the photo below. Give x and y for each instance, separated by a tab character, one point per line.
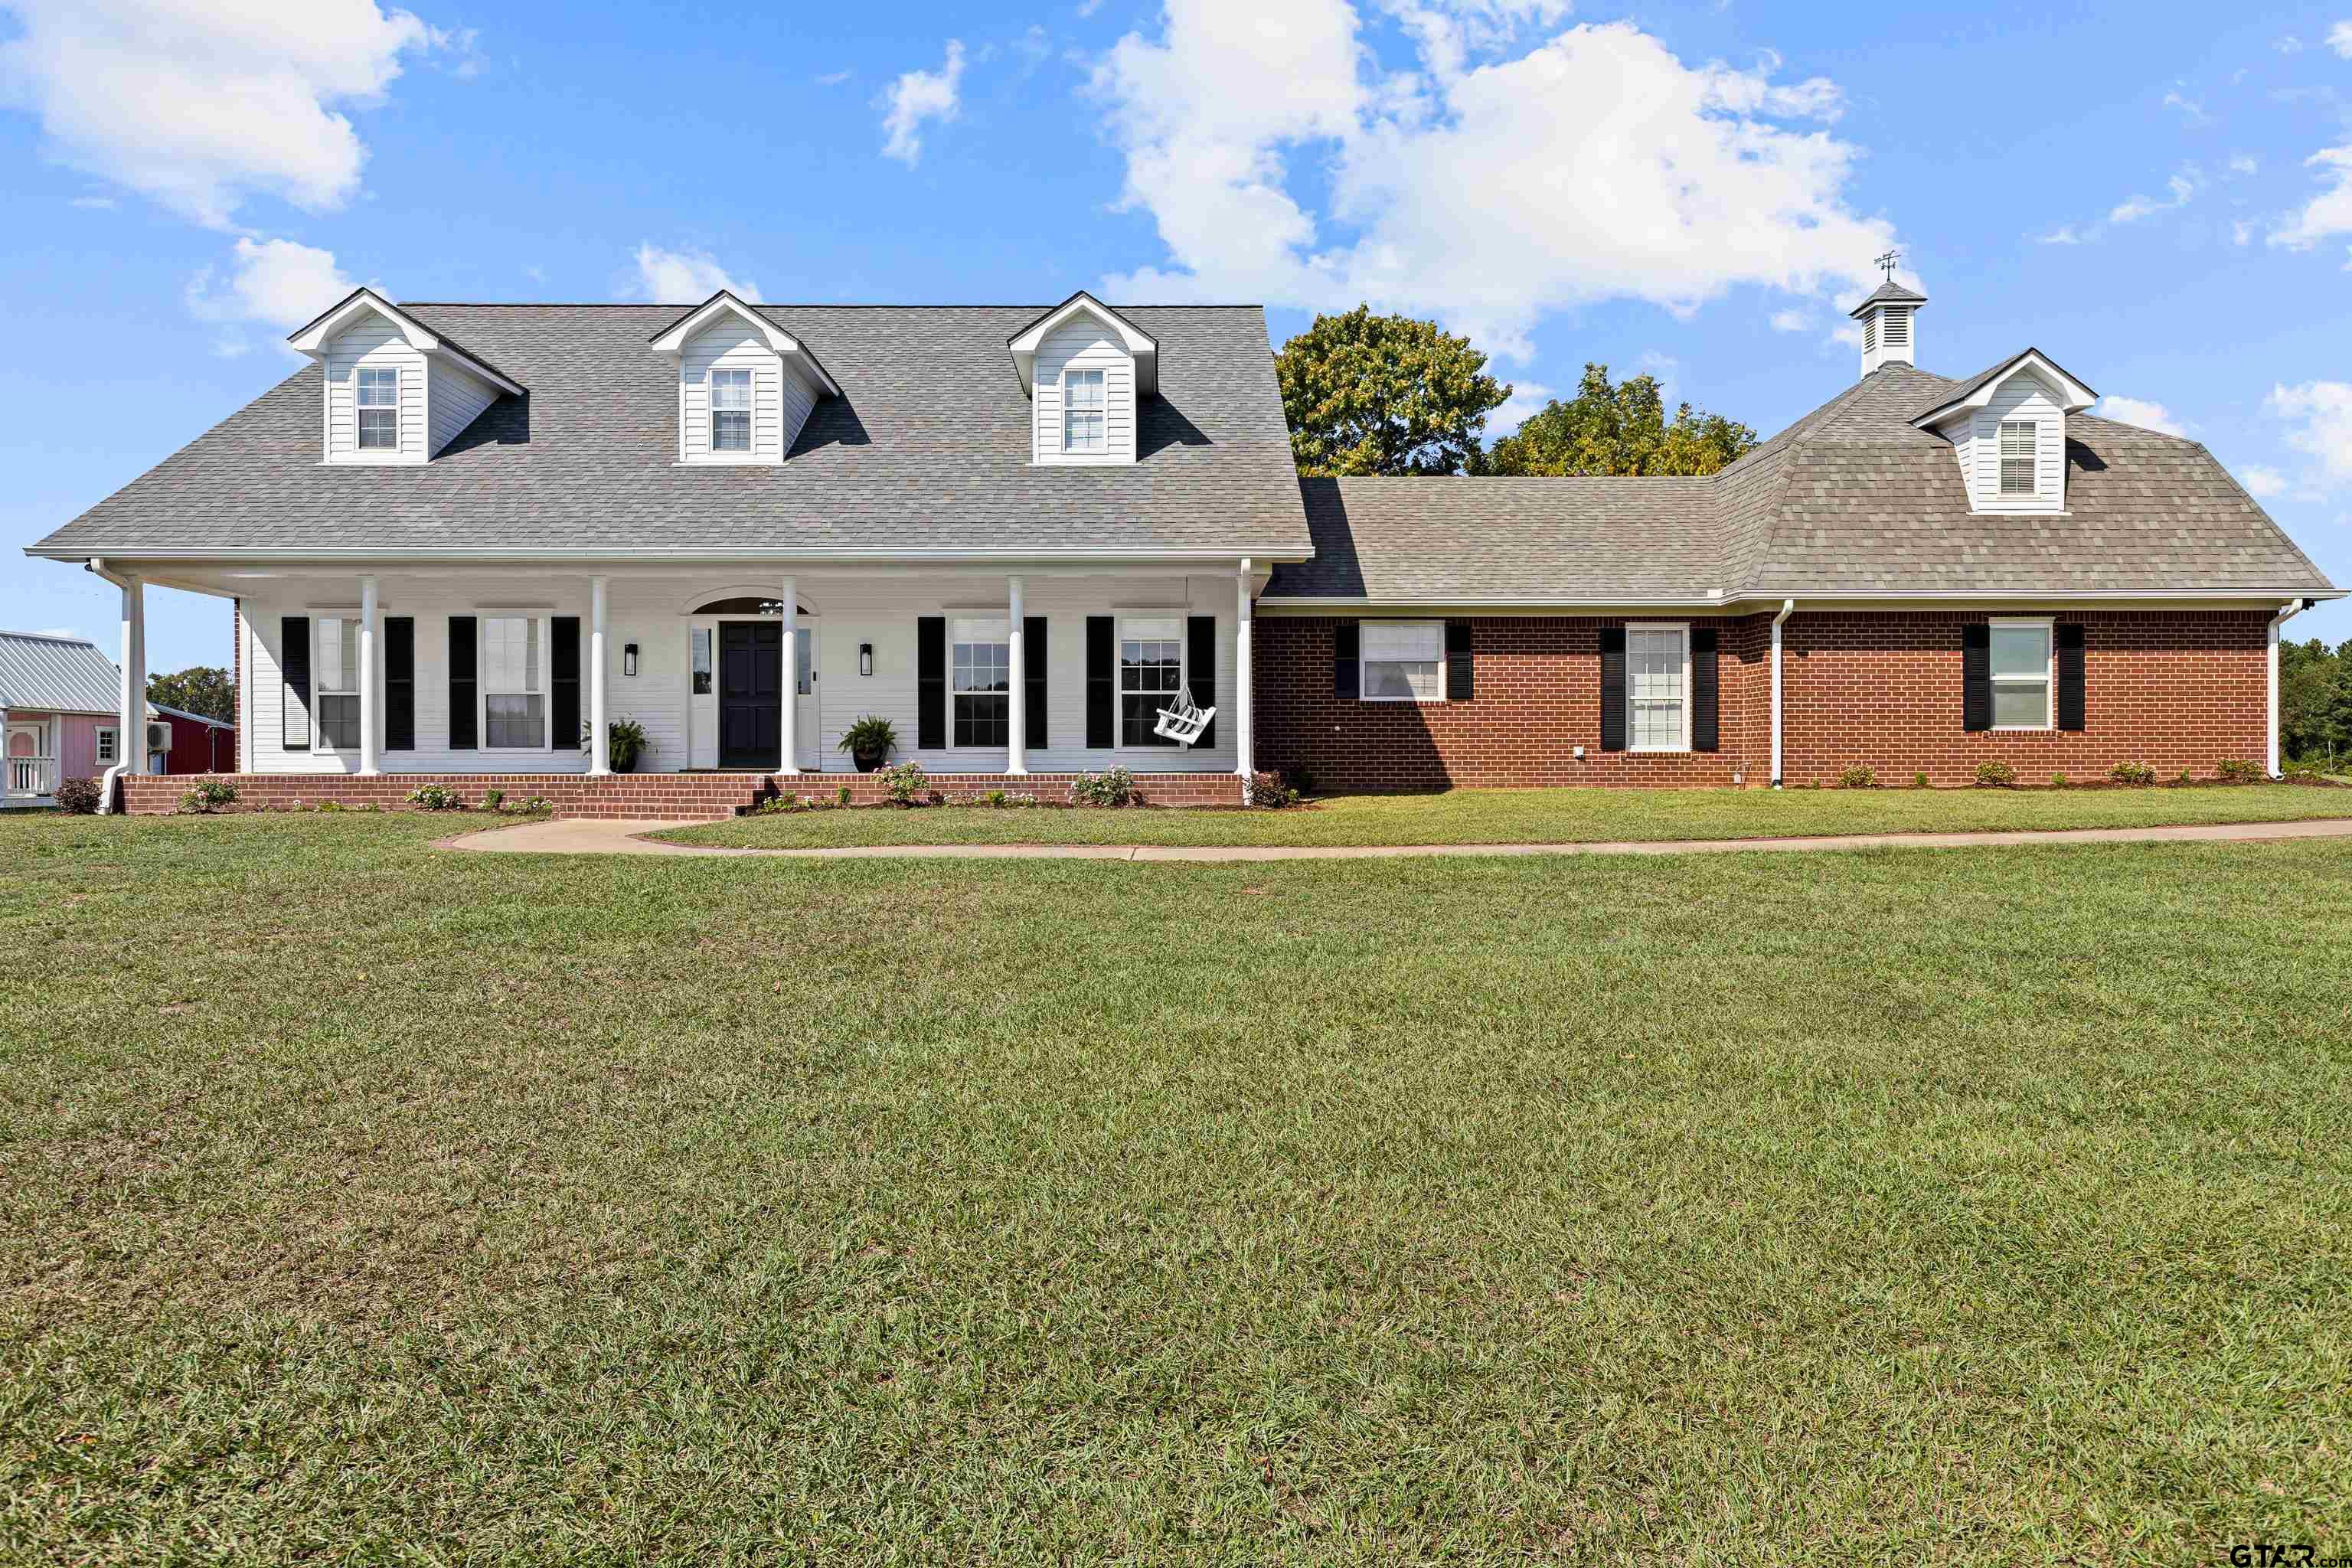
626	837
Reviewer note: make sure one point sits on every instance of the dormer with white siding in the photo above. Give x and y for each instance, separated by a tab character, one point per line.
2008	429
1085	368
745	386
396	391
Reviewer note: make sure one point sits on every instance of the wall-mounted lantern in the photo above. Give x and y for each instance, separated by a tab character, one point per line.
629	659
865	659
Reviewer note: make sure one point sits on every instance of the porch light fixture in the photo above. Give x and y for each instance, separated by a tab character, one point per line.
865	659
629	659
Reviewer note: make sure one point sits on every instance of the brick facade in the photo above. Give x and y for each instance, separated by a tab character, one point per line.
1882	689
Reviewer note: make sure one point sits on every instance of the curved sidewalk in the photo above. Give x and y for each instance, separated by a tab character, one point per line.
626	837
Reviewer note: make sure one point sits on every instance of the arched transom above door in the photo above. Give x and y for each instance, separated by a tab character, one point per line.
745	604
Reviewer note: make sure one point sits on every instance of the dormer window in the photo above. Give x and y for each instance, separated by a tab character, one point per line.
379	408
2008	431
731	411
1082	411
2017	457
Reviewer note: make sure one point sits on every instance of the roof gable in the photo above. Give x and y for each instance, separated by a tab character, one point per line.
313	337
1140	344
2072	395
672	338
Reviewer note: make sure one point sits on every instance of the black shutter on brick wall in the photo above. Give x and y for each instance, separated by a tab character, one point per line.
1976	677
2070	675
1102	682
294	667
1612	689
1032	652
1347	672
462	710
931	682
399	684
1707	690
1459	673
563	681
1201	674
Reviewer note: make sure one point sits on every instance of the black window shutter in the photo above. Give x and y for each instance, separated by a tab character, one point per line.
1102	682
1458	661
294	665
931	683
1612	689
1976	677
1707	690
1032	653
1347	670
463	713
2070	675
563	682
1201	672
399	684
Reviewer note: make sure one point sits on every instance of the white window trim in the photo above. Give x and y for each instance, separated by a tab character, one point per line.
2001	461
1102	412
376	453
1364	663
710	452
482	692
1684	628
104	747
1121	691
2048	627
955	691
320	691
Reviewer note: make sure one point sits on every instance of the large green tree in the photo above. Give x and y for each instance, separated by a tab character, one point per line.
2315	701
204	688
1620	429
1384	394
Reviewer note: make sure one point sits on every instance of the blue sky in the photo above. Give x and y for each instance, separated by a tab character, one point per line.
2159	197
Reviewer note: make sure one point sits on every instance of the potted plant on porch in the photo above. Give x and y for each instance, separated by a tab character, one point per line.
869	740
625	742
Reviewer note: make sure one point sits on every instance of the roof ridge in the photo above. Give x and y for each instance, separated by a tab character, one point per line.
785	305
51	636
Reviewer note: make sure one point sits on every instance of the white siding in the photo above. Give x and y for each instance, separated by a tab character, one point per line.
372	342
781	397
2021	396
843	615
453	398
1084	344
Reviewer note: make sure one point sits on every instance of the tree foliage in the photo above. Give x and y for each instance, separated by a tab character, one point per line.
202	688
2315	701
1384	394
1619	428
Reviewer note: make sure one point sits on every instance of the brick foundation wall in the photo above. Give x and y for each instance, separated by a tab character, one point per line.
1880	690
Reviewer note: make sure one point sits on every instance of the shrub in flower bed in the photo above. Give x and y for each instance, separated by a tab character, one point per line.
78	795
1857	778
208	795
2133	774
1995	776
1112	787
433	797
907	782
2237	770
1270	791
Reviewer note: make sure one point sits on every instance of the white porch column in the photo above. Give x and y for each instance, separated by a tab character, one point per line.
600	735
131	740
1245	756
370	706
789	729
1017	702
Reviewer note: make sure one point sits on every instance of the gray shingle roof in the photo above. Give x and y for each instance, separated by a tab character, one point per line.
1888	293
65	674
1848	500
927	450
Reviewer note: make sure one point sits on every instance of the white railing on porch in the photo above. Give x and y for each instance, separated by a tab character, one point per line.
32	775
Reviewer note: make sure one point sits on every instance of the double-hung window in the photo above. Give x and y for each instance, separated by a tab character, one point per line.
731	411
378	393
981	651
1657	688
1151	674
335	681
514	683
2017	458
1082	411
1404	661
2022	676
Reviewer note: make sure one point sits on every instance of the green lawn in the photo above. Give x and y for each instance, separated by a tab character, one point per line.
370	1203
1541	816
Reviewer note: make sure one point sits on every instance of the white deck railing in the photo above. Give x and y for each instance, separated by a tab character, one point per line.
32	775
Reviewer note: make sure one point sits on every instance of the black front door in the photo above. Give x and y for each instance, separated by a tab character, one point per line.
751	694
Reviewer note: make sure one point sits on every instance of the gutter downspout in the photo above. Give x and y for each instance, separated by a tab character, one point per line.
124	737
2287	612
1788	608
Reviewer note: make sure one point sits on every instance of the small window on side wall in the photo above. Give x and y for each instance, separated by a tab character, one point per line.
2021	674
1404	661
108	755
378	394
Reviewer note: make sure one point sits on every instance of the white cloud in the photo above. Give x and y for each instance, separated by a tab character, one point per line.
2148	415
1792	320
2289	45
2262	483
2328	213
2064	234
2319	416
1526	397
201	105
919	96
2241	230
273	283
2191	112
2182	186
1595	166
95	204
686	277
2243	163
832	78
2339	38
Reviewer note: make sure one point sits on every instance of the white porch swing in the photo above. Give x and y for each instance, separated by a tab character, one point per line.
1183	722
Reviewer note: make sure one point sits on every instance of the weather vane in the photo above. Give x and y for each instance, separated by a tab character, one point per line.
1887	263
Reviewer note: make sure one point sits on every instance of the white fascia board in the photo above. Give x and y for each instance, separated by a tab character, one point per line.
313	339
232	558
1751	602
672	338
2074	397
1140	344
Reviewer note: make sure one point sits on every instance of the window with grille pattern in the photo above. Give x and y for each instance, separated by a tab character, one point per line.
1082	411
378	389
982	654
2017	457
731	410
